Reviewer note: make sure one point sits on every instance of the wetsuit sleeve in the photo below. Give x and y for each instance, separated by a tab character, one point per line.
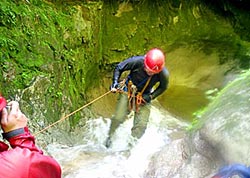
164	80
128	64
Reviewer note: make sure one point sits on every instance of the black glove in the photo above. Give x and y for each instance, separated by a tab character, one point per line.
147	97
114	85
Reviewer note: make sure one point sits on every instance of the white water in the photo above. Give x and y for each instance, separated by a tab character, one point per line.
127	158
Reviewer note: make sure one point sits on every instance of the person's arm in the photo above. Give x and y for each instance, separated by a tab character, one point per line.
128	64
25	157
21	138
164	80
14	126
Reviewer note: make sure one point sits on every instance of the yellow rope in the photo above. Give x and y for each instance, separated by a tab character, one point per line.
65	117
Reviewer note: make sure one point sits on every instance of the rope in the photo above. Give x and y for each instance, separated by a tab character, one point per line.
132	96
65	117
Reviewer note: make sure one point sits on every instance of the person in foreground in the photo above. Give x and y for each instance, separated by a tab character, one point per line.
232	170
24	159
145	73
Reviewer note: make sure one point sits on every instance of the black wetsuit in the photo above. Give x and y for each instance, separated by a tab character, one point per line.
139	76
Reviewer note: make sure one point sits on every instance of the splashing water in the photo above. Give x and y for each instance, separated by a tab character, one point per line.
127	158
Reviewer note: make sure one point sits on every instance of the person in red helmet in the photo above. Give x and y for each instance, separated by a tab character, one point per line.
144	73
24	159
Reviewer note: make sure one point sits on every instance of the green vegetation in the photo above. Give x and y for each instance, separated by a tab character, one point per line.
71	43
231	89
39	38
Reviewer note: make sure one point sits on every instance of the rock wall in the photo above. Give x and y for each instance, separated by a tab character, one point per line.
75	45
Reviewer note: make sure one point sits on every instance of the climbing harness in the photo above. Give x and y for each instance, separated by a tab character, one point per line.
132	96
135	98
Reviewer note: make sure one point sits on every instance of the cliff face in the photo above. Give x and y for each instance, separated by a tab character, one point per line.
55	56
51	49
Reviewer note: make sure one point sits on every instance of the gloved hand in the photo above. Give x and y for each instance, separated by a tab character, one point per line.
147	97
114	87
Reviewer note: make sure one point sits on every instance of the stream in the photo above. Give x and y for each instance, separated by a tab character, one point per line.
127	158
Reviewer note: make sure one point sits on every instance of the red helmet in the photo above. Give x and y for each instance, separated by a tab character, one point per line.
154	60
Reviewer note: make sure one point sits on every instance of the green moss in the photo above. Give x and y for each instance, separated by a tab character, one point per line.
74	42
40	38
219	101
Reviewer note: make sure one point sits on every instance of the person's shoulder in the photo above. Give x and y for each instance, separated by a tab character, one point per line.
165	71
164	74
139	58
135	60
